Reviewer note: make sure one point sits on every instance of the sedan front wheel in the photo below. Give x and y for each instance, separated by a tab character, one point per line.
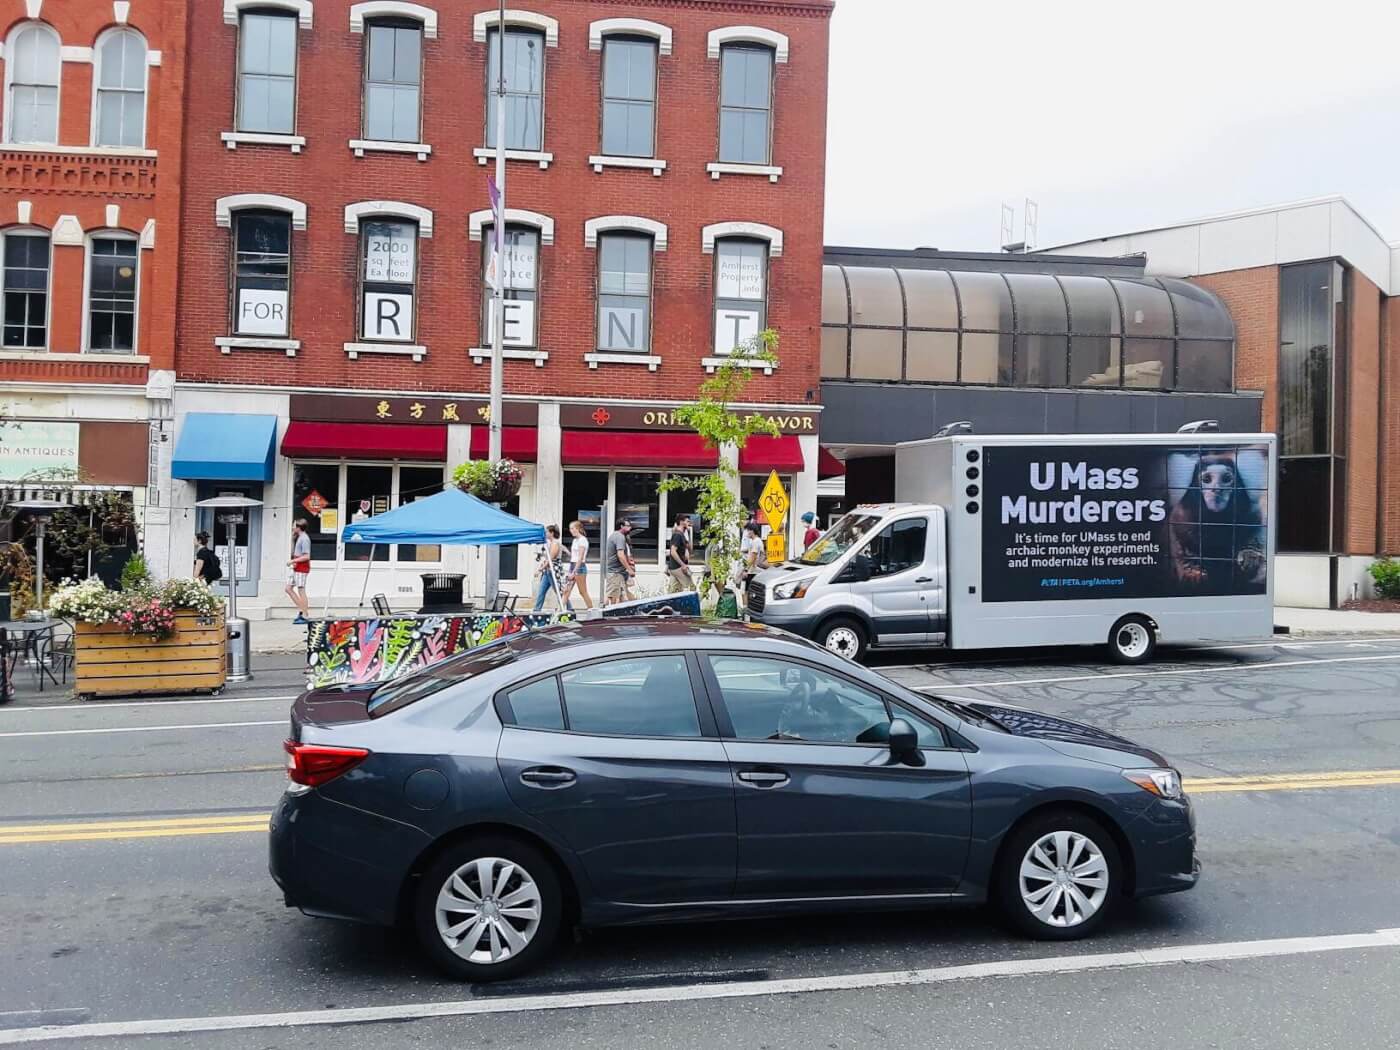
1060	876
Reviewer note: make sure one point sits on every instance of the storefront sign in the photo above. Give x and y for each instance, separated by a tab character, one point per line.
38	448
314	503
389	249
240	568
520	322
375	408
330	520
1132	522
592	416
741	274
734	328
262	311
622	328
521	261
388	317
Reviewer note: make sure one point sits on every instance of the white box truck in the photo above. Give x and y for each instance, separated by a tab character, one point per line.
1001	541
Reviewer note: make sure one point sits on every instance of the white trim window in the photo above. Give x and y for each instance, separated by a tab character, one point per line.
355	490
262	274
32	72
27	268
388	279
524	87
119	116
393	80
624	292
741	292
113	281
267	73
521	274
746	104
629	96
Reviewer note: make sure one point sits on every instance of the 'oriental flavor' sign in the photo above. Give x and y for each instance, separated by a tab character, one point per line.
585	416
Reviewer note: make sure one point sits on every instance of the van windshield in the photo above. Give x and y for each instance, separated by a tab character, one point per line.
838	539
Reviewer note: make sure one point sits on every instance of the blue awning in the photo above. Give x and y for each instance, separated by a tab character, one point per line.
451	516
225	446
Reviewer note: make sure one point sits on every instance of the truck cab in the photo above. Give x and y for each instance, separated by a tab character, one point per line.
877	578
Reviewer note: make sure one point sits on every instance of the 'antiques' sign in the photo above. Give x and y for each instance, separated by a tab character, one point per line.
37	448
334	408
586	416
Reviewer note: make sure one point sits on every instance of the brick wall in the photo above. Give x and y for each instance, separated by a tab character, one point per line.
1363	422
1389	466
327	176
143	187
1252	296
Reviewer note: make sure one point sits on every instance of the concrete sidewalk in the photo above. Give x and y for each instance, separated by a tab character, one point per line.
1335	621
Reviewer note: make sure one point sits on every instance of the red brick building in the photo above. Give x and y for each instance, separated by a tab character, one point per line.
1313	288
664	188
89	219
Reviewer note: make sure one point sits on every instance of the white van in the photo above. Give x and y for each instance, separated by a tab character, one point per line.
1050	540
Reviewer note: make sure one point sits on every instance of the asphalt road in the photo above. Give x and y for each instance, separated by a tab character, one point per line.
133	888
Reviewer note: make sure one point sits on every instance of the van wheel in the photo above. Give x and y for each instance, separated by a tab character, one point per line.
844	637
1132	640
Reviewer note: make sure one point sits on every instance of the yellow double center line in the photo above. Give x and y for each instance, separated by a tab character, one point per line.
235	823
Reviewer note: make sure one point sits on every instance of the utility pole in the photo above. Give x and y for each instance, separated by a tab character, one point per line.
493	448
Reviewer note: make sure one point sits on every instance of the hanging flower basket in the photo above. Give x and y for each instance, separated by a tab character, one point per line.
494	482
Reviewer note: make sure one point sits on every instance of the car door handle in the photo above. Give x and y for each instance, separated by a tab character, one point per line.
548	777
764	778
924	579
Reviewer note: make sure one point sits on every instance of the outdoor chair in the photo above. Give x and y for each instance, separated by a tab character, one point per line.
381	606
504	603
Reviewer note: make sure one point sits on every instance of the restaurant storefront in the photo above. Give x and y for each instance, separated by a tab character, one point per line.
333	459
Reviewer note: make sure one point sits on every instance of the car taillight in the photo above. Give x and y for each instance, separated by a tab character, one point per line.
315	764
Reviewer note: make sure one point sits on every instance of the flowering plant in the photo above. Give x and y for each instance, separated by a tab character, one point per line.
494	481
89	601
146	611
147	614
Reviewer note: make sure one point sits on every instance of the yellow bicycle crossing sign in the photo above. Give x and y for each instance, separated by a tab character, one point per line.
774	502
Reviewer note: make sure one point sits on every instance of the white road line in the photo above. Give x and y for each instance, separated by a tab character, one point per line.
1190	954
1217	669
101	706
142	729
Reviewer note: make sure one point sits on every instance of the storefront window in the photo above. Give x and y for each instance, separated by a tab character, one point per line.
521	275
419	483
388	280
368	491
685	501
637	496
585	492
638	502
316	498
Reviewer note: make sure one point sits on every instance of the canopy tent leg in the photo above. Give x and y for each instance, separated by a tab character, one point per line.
335	575
368	569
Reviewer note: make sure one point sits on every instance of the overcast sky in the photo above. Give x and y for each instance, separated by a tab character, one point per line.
1112	116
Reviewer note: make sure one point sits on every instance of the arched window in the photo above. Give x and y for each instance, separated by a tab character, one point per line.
121	90
31	72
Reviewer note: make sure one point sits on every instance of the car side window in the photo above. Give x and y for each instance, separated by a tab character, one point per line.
769	699
637	696
536	706
897	548
931	734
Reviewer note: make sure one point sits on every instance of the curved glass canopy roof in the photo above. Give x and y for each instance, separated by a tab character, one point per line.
1024	329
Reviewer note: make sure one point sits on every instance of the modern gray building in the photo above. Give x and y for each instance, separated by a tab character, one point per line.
1014	344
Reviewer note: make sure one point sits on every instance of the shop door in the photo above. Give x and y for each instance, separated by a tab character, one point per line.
247	556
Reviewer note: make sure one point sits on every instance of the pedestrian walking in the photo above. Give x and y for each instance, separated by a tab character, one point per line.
812	533
752	559
548	563
298	569
678	557
577	577
622	570
207	567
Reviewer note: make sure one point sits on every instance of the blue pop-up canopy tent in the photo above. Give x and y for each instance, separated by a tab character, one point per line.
452	517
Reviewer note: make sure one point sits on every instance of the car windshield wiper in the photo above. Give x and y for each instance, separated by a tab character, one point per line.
971	714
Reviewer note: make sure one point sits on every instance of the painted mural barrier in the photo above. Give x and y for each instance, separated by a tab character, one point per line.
377	649
686	603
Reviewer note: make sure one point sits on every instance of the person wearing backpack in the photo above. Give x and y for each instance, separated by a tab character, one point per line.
207	566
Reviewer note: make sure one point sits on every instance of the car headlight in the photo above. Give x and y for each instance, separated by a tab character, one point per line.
1164	783
791	589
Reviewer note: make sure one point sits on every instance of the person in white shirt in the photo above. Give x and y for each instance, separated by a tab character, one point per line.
578	566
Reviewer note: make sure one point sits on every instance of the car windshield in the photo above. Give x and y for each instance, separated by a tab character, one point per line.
838	539
436	677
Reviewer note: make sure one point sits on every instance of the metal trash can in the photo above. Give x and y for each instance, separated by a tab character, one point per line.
443	590
239	666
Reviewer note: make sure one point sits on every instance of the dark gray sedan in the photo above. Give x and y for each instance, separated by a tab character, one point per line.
641	771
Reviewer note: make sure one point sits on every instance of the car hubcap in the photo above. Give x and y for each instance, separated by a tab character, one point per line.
1064	878
1132	639
843	642
488	910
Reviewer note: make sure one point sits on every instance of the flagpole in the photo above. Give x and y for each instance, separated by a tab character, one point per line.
493	553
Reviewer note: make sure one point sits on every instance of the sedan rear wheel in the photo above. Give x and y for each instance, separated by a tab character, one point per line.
489	909
1060	876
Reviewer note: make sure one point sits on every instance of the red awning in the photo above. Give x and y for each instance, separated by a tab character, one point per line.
828	466
521	444
305	439
763	453
637	448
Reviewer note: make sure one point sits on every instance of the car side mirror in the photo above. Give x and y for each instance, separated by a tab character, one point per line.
904	743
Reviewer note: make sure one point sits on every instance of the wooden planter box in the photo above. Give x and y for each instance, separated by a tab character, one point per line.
111	662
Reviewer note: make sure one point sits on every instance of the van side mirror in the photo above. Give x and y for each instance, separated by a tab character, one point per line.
857	570
904	743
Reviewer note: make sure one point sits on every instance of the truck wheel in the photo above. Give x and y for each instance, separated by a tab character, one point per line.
844	637
1132	640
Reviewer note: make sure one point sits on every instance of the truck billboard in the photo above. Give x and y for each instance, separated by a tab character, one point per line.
1074	522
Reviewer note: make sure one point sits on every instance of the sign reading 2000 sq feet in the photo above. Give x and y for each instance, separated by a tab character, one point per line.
1068	523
